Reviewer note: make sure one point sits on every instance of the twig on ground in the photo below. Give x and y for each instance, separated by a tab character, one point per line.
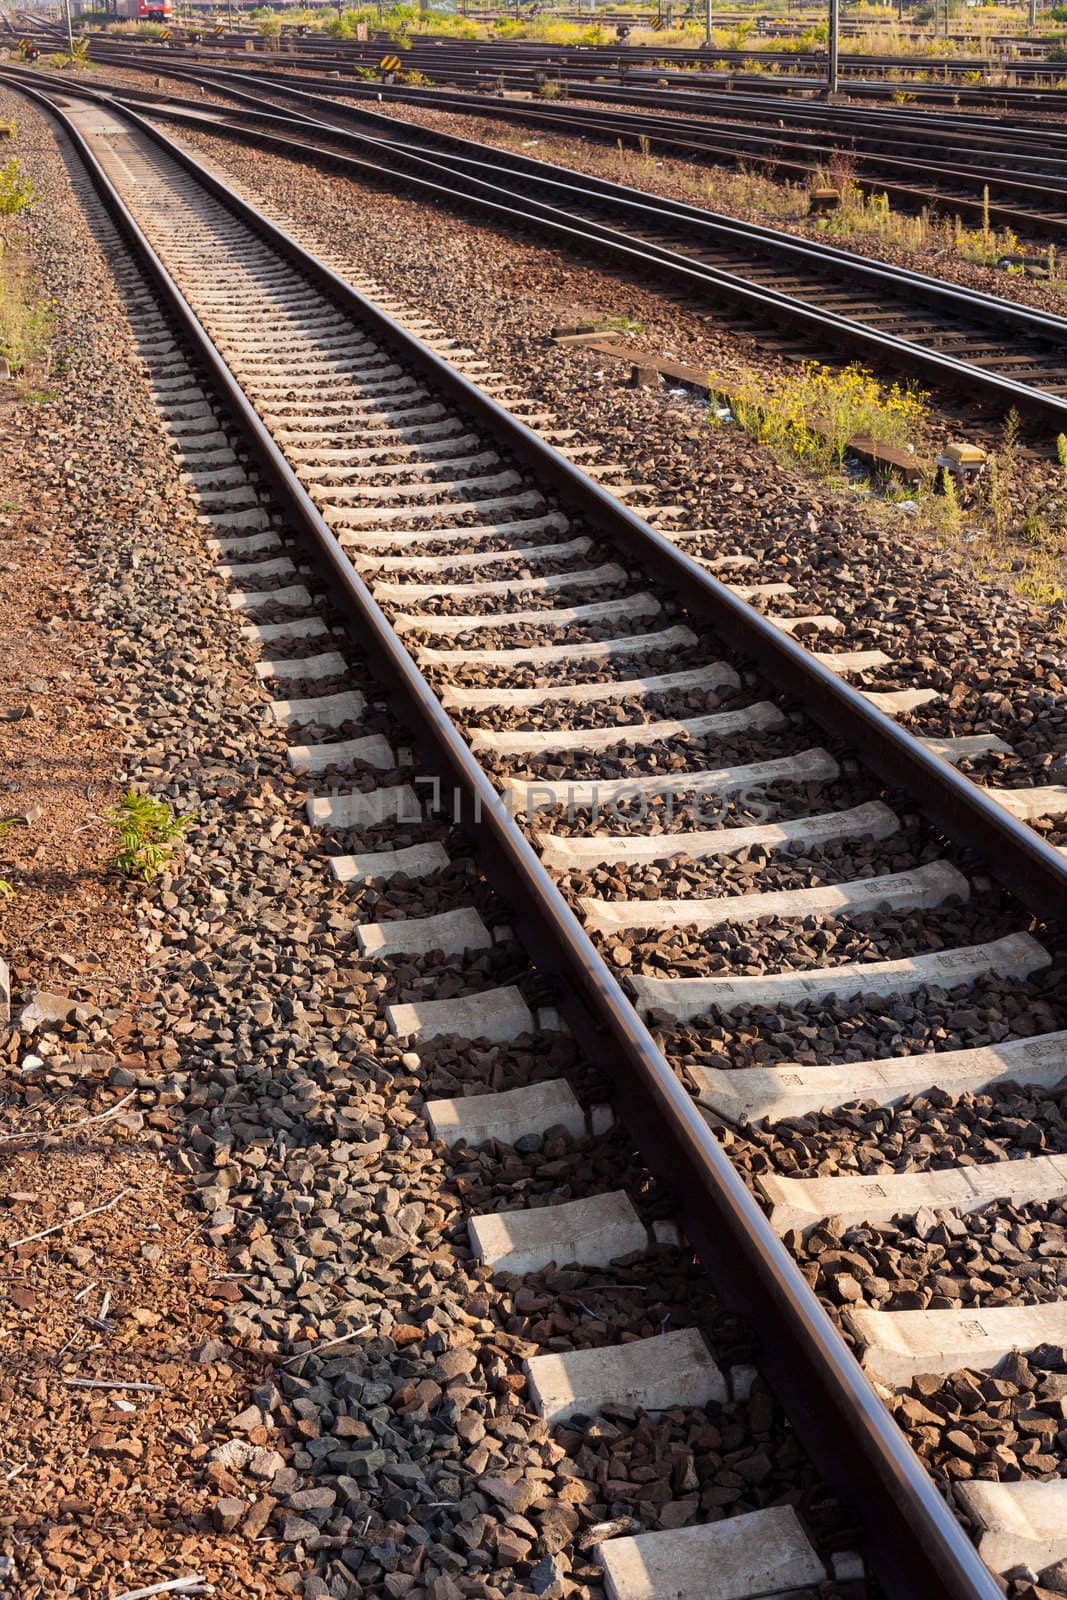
196	1583
68	1222
110	1383
316	1349
68	1127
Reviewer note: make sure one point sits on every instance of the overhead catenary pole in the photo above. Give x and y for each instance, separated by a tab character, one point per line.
70	27
707	25
831	64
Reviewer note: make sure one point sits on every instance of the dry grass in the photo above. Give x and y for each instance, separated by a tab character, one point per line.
1011	526
25	319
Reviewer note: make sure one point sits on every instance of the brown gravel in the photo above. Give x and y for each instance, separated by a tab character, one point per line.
101	1490
59	754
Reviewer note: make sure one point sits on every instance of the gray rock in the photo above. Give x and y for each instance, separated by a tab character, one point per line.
227	1513
46	1010
549	1578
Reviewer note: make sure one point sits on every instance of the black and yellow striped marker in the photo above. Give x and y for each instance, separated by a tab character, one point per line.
389	64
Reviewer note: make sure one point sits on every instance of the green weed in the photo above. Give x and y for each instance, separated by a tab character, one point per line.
813	412
6	825
147	830
25	319
16	190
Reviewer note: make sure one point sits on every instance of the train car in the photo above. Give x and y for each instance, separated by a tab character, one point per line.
145	10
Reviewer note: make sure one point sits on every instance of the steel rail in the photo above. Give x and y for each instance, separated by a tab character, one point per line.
502	205
847	333
667	62
793	153
712	82
1034	322
736	103
694	276
917	1547
731	105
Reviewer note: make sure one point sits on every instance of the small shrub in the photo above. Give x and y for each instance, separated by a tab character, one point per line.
625	325
25	320
6	825
147	830
813	412
16	190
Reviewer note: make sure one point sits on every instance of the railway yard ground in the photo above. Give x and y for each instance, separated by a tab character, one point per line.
653	1187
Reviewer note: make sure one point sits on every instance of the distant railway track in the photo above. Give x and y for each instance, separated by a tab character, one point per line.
671	76
1015	176
997	354
376	445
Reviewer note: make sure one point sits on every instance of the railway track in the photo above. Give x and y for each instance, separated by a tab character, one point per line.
1014	176
999	355
671	80
545	643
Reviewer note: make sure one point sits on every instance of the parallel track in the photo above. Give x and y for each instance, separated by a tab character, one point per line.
998	354
523	67
1014	176
373	443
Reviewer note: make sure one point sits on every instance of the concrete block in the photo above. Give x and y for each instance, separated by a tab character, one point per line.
550	583
898	1344
597	611
1021	1524
452	932
672	1369
1016	955
478	560
813	624
536	794
852	660
714	676
325	710
398	803
717	725
895	702
285	632
970	745
497	1015
240	571
557	655
751	1093
510	1115
295	598
874	821
592	1232
802	1202
327	664
759	1554
928	885
416	861
373	748
1048	800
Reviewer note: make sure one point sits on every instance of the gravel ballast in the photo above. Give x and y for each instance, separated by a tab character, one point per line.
353	1419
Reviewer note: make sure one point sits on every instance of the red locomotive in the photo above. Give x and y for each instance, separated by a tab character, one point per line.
145	10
